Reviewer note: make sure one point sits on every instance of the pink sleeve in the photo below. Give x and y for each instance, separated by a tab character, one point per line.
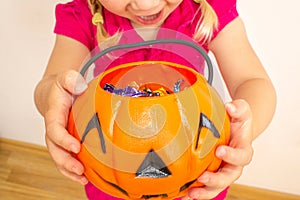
225	10
73	20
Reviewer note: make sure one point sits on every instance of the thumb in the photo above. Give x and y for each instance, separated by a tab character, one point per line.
73	82
239	110
241	119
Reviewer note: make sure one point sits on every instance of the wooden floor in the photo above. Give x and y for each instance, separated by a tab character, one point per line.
28	173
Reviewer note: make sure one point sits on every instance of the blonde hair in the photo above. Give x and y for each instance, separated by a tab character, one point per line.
205	27
207	23
96	9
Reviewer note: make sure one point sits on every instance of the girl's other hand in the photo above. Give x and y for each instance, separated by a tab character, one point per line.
60	143
235	156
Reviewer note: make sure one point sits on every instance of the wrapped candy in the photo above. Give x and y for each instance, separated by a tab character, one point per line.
147	90
127	91
177	86
143	91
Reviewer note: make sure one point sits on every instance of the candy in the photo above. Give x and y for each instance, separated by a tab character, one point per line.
146	90
177	85
160	92
127	91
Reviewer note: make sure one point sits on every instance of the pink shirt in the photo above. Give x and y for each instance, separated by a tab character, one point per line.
74	20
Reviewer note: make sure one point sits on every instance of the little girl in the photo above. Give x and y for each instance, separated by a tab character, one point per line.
83	24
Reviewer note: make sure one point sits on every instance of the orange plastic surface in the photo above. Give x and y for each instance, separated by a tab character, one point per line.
133	128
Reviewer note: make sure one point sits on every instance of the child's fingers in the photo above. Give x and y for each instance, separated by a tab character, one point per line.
235	156
57	133
78	178
66	163
63	158
215	182
221	179
239	156
59	142
56	116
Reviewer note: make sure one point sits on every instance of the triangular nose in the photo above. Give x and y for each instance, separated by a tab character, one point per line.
153	167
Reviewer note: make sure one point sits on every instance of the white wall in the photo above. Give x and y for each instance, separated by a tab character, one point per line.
273	26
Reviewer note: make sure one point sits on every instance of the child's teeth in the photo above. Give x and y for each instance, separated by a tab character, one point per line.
148	18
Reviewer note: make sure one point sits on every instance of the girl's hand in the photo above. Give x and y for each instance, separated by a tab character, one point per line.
235	156
60	143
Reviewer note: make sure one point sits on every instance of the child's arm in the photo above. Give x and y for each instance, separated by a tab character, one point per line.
53	98
251	110
244	74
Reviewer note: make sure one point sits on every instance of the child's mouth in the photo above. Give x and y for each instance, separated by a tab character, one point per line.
150	19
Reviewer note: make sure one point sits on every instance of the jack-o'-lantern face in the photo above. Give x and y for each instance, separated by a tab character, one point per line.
149	147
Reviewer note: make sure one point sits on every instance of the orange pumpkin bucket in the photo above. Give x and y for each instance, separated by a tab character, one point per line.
149	147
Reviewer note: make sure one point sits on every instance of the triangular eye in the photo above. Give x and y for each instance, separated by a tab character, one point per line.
95	123
153	167
207	123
